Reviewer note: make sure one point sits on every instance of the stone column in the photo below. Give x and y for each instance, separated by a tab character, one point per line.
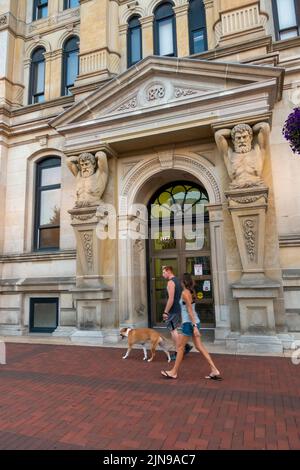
210	21
99	55
245	150
95	321
27	64
3	180
123	46
147	35
222	314
56	73
48	75
132	271
182	28
90	293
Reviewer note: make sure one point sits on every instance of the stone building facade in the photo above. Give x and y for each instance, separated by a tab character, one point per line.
147	101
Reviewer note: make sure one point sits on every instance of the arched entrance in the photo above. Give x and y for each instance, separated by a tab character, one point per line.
174	205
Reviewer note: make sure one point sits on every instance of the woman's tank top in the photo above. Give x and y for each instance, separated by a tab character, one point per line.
185	314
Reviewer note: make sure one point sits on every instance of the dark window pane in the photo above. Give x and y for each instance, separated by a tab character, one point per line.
44	315
198	41
135	40
49	238
163	11
203	263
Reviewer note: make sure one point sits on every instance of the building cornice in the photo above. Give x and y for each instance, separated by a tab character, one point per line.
38	256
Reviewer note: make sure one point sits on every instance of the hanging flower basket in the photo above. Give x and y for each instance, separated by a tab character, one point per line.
291	130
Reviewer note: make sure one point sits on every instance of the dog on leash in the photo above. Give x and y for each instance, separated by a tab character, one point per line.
142	336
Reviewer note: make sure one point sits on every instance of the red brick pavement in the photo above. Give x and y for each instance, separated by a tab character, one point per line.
73	397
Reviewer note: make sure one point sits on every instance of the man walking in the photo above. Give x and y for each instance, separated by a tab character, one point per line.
172	312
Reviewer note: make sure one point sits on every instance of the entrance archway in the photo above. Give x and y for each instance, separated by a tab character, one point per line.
173	240
137	187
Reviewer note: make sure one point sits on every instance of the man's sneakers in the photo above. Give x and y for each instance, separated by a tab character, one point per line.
187	349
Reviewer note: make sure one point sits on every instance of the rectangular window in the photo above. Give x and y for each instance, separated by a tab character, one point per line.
287	18
198	38
48	194
135	40
40	9
43	315
71	4
165	37
72	69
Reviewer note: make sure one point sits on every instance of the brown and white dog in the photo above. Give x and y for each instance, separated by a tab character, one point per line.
142	336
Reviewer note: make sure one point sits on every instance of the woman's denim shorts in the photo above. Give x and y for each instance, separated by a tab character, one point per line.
187	328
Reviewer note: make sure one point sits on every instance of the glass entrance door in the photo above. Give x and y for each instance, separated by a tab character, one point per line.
190	255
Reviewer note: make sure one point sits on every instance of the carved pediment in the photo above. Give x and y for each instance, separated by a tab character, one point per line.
162	83
157	92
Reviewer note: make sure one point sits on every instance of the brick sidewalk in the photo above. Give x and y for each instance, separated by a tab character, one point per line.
72	397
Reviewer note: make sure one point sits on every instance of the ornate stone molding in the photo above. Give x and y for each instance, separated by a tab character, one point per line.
128	105
249	230
3	20
179	92
143	170
87	243
155	91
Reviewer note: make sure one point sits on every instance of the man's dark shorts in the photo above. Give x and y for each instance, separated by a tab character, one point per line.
173	322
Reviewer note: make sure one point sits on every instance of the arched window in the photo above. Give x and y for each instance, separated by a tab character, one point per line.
71	4
165	30
37	77
70	64
40	9
197	27
47	204
134	41
185	195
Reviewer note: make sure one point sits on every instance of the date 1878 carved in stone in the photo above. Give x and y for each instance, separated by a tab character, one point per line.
91	174
244	162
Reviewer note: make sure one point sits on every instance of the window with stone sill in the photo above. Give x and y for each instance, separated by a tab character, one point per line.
71	4
47	204
286	18
40	9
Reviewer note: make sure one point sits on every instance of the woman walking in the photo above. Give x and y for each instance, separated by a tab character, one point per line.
190	328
